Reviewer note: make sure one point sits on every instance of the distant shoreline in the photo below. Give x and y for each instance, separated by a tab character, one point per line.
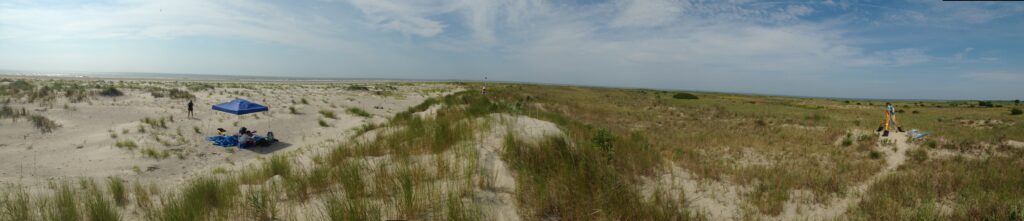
253	78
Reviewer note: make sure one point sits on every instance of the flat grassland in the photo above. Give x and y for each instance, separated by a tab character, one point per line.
123	150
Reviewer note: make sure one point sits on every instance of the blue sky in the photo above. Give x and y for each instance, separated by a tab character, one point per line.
868	49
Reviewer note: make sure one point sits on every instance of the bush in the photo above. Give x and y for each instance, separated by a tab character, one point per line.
603	139
1016	111
875	154
357	88
687	96
323	123
180	94
848	140
111	92
985	104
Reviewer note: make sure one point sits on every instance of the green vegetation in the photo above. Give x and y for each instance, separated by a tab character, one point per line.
195	87
1016	111
155	153
128	144
155	122
42	123
201	199
118	191
15	205
949	189
328	114
687	96
358	112
174	93
615	146
111	92
355	87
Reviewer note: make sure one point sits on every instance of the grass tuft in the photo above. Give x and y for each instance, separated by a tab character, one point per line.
358	112
328	114
44	124
118	191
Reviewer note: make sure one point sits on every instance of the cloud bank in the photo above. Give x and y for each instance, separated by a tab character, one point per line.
831	48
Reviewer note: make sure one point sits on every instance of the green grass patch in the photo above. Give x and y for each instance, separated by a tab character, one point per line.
358	112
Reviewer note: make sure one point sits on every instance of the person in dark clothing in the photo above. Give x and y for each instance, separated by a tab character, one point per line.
189	108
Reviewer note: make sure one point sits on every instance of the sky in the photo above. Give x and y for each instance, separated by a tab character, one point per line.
914	49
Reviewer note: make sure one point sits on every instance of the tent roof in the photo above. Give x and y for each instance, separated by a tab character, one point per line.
239	107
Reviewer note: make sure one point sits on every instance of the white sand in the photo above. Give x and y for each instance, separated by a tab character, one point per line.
84	148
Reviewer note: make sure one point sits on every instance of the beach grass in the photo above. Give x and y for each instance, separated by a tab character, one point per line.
358	112
613	142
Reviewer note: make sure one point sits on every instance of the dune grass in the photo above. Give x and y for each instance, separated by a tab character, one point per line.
949	189
416	168
117	190
42	123
202	198
127	144
328	114
154	153
261	203
358	112
15	205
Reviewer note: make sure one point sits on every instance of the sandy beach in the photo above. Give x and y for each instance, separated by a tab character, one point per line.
85	144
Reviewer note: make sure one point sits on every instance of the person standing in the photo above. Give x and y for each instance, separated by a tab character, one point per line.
190	108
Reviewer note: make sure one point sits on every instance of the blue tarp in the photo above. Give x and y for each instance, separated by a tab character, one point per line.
232	141
239	107
224	141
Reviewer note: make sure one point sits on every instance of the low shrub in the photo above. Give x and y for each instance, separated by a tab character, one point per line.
111	92
180	94
1016	111
682	95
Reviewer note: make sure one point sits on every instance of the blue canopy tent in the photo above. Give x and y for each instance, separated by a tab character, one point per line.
240	107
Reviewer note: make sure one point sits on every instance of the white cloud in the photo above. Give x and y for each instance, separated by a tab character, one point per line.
959	56
401	17
952	14
168	20
997	76
648	13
